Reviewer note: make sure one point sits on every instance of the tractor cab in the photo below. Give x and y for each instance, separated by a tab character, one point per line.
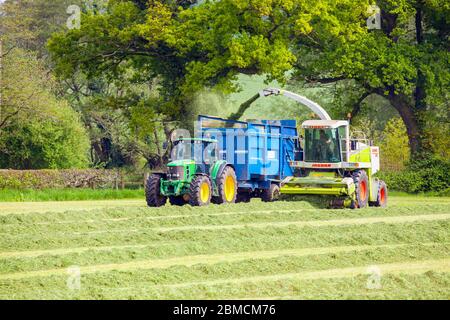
196	150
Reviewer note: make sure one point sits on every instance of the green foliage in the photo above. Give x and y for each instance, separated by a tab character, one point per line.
429	174
56	143
394	148
37	129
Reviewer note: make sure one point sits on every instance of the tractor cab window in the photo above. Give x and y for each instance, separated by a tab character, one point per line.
198	150
182	150
322	145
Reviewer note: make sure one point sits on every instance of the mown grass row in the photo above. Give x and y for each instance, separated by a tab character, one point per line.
123	252
233	279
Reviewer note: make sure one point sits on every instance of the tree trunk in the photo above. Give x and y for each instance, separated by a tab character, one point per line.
415	134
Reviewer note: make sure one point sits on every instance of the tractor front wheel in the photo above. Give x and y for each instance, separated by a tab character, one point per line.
200	191
227	185
153	191
362	188
272	194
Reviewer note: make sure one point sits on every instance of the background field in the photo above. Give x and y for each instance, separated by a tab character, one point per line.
284	250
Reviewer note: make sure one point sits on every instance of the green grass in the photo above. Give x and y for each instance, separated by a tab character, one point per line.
29	195
284	250
10	195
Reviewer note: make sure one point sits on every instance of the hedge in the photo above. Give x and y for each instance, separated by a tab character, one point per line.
425	175
58	179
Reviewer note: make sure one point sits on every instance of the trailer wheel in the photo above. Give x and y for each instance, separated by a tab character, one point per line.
200	191
177	201
153	191
227	185
362	188
272	194
382	196
243	197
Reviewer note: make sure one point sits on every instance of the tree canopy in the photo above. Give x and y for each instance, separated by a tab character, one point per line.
186	46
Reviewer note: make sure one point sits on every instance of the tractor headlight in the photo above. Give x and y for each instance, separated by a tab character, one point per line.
176	173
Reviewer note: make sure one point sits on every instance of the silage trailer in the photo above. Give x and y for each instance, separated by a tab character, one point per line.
227	162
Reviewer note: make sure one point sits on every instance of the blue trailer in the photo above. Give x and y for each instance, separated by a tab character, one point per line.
259	151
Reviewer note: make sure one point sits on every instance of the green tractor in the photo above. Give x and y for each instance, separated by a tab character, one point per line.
194	176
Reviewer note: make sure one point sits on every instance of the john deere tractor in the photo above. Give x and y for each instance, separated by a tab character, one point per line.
194	176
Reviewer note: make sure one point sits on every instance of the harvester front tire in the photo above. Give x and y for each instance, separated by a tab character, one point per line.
177	201
272	194
361	181
382	196
200	191
227	186
153	192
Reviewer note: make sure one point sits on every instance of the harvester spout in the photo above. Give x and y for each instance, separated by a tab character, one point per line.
314	107
317	109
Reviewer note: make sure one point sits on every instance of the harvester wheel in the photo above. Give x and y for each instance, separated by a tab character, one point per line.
227	185
362	188
177	201
382	196
272	194
153	191
200	191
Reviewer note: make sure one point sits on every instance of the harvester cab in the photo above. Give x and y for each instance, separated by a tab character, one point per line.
195	175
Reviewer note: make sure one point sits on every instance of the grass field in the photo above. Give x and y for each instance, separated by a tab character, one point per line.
32	195
284	250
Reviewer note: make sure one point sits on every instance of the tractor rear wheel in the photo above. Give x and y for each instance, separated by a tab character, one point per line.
382	196
272	194
153	191
227	186
177	201
362	188
200	191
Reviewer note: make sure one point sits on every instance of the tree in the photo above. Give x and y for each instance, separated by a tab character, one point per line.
37	130
405	62
190	47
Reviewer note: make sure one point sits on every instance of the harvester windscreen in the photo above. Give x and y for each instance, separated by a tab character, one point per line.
322	145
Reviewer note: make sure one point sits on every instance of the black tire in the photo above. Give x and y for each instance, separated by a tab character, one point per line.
177	201
243	197
195	193
272	194
153	192
361	181
227	193
382	196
